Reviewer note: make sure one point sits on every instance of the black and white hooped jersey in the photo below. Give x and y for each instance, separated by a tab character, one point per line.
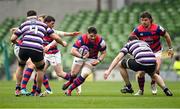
141	51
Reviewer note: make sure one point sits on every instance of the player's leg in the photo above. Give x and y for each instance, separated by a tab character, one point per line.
38	60
75	69
35	79
86	70
56	62
161	83
22	58
33	90
59	72
158	61
40	75
19	75
47	86
45	79
122	67
26	76
141	82
153	84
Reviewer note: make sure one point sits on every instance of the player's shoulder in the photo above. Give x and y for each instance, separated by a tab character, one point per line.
139	27
154	26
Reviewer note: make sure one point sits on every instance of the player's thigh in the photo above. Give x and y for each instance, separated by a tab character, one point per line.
30	64
38	59
77	65
86	71
58	68
158	59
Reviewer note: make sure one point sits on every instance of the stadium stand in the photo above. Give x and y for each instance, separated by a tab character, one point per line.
114	26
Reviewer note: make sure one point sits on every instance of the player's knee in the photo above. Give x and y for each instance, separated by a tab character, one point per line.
21	64
85	72
123	63
141	74
41	67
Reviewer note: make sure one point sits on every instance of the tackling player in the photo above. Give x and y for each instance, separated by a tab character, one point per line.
143	60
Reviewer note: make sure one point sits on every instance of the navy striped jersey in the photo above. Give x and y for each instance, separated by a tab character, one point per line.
141	51
95	46
32	32
150	35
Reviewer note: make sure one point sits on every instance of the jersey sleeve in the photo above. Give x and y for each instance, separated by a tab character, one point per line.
49	31
18	32
78	42
102	45
124	49
134	32
161	30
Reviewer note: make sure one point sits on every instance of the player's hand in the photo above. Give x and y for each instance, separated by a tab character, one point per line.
64	44
95	62
85	56
46	48
12	30
171	52
106	74
75	33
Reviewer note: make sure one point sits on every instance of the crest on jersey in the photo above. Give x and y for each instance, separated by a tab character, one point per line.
141	34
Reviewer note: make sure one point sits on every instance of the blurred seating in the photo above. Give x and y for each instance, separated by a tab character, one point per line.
114	26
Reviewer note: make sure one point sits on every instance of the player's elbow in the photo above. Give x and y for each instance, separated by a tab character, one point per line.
13	38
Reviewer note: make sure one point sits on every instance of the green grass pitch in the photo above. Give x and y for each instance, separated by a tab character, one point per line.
94	95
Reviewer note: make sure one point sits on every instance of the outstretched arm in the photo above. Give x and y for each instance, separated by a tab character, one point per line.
113	64
62	33
58	39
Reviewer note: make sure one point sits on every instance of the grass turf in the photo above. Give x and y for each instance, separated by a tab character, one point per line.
94	95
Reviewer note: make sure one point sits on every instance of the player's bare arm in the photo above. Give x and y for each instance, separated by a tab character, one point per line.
113	64
58	39
169	43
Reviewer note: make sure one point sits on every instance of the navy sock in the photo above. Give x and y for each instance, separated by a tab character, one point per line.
78	81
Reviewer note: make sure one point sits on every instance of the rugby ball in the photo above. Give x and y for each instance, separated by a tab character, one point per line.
83	50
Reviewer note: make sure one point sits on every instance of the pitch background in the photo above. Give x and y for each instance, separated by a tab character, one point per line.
94	95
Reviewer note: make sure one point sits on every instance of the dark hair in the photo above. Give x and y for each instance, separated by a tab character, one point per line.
31	13
146	14
49	19
92	30
131	38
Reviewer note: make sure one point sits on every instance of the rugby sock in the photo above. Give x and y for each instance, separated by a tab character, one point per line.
67	76
18	87
71	79
46	83
38	90
26	77
153	82
78	81
141	81
34	85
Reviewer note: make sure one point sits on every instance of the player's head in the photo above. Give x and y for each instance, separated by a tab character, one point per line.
49	20
42	17
31	13
92	31
146	19
133	37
